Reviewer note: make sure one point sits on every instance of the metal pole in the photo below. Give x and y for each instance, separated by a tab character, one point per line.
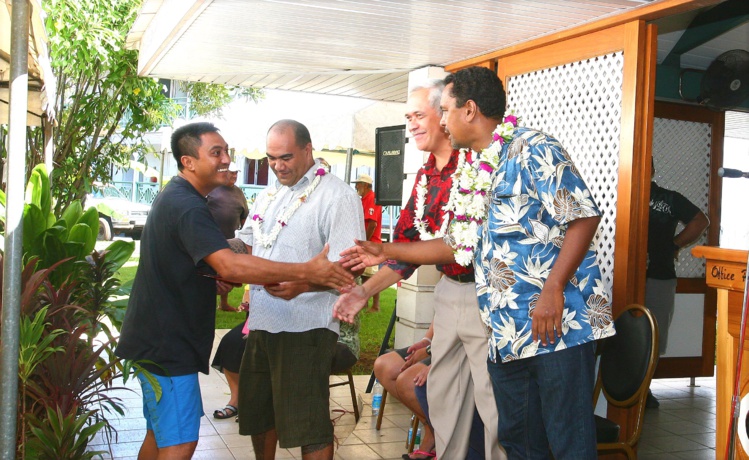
385	342
134	191
19	86
390	223
165	146
349	163
161	169
49	144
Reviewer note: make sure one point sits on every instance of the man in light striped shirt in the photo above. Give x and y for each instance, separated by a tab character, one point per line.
283	379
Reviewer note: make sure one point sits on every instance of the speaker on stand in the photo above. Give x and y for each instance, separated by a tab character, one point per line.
390	143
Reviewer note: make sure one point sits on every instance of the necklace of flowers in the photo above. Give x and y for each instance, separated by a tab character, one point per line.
419	224
472	180
267	239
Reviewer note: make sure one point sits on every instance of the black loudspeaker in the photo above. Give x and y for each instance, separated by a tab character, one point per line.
390	145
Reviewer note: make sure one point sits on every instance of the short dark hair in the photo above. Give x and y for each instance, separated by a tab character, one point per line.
301	133
480	85
186	140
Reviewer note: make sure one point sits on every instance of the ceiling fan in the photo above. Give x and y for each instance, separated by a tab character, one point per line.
725	83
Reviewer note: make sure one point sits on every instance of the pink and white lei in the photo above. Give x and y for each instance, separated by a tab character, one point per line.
267	239
469	195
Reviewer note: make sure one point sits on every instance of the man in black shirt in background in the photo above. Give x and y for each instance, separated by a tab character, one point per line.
667	209
229	209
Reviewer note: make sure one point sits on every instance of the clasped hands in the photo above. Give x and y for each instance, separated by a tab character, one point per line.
321	273
358	257
416	353
362	255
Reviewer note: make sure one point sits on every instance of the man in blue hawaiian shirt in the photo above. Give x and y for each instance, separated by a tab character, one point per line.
539	287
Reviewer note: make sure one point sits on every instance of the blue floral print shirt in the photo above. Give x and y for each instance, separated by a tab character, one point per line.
536	192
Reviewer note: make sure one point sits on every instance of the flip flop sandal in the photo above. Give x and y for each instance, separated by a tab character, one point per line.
419	452
227	412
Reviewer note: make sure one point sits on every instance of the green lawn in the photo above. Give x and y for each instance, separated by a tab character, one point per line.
371	333
126	274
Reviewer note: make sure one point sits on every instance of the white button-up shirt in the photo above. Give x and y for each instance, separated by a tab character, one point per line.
331	214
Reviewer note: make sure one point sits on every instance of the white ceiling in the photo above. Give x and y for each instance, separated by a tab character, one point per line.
366	48
360	48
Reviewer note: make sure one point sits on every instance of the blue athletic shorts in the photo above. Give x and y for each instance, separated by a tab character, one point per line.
175	418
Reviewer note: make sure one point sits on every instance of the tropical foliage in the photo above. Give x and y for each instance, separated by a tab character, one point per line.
67	367
209	100
103	108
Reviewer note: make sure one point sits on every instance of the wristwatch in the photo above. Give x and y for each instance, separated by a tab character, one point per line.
429	349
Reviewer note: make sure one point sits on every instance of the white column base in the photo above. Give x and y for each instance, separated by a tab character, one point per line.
415	306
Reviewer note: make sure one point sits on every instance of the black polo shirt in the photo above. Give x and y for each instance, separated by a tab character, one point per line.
170	317
667	209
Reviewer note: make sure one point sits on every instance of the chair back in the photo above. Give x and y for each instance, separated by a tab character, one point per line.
629	358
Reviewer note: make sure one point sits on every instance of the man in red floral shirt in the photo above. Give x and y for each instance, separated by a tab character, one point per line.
458	378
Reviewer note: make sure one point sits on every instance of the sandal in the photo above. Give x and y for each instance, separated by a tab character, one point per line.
425	454
227	412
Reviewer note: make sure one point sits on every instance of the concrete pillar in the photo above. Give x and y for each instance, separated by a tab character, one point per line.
415	294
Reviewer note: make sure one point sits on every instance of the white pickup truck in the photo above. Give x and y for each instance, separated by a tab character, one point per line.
118	215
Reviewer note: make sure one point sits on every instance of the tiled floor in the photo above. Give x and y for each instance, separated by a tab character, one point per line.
682	428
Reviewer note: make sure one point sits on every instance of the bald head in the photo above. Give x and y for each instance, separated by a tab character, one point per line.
289	151
300	132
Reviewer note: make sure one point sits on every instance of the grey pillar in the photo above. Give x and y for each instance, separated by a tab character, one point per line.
19	87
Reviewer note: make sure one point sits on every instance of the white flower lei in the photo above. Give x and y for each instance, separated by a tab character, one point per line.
267	239
421	226
470	190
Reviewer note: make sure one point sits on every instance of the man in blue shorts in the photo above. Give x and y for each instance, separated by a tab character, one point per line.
170	319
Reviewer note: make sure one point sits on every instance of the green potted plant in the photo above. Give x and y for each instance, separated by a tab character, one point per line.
69	321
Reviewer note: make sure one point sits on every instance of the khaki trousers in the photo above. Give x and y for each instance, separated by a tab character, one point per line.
458	378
